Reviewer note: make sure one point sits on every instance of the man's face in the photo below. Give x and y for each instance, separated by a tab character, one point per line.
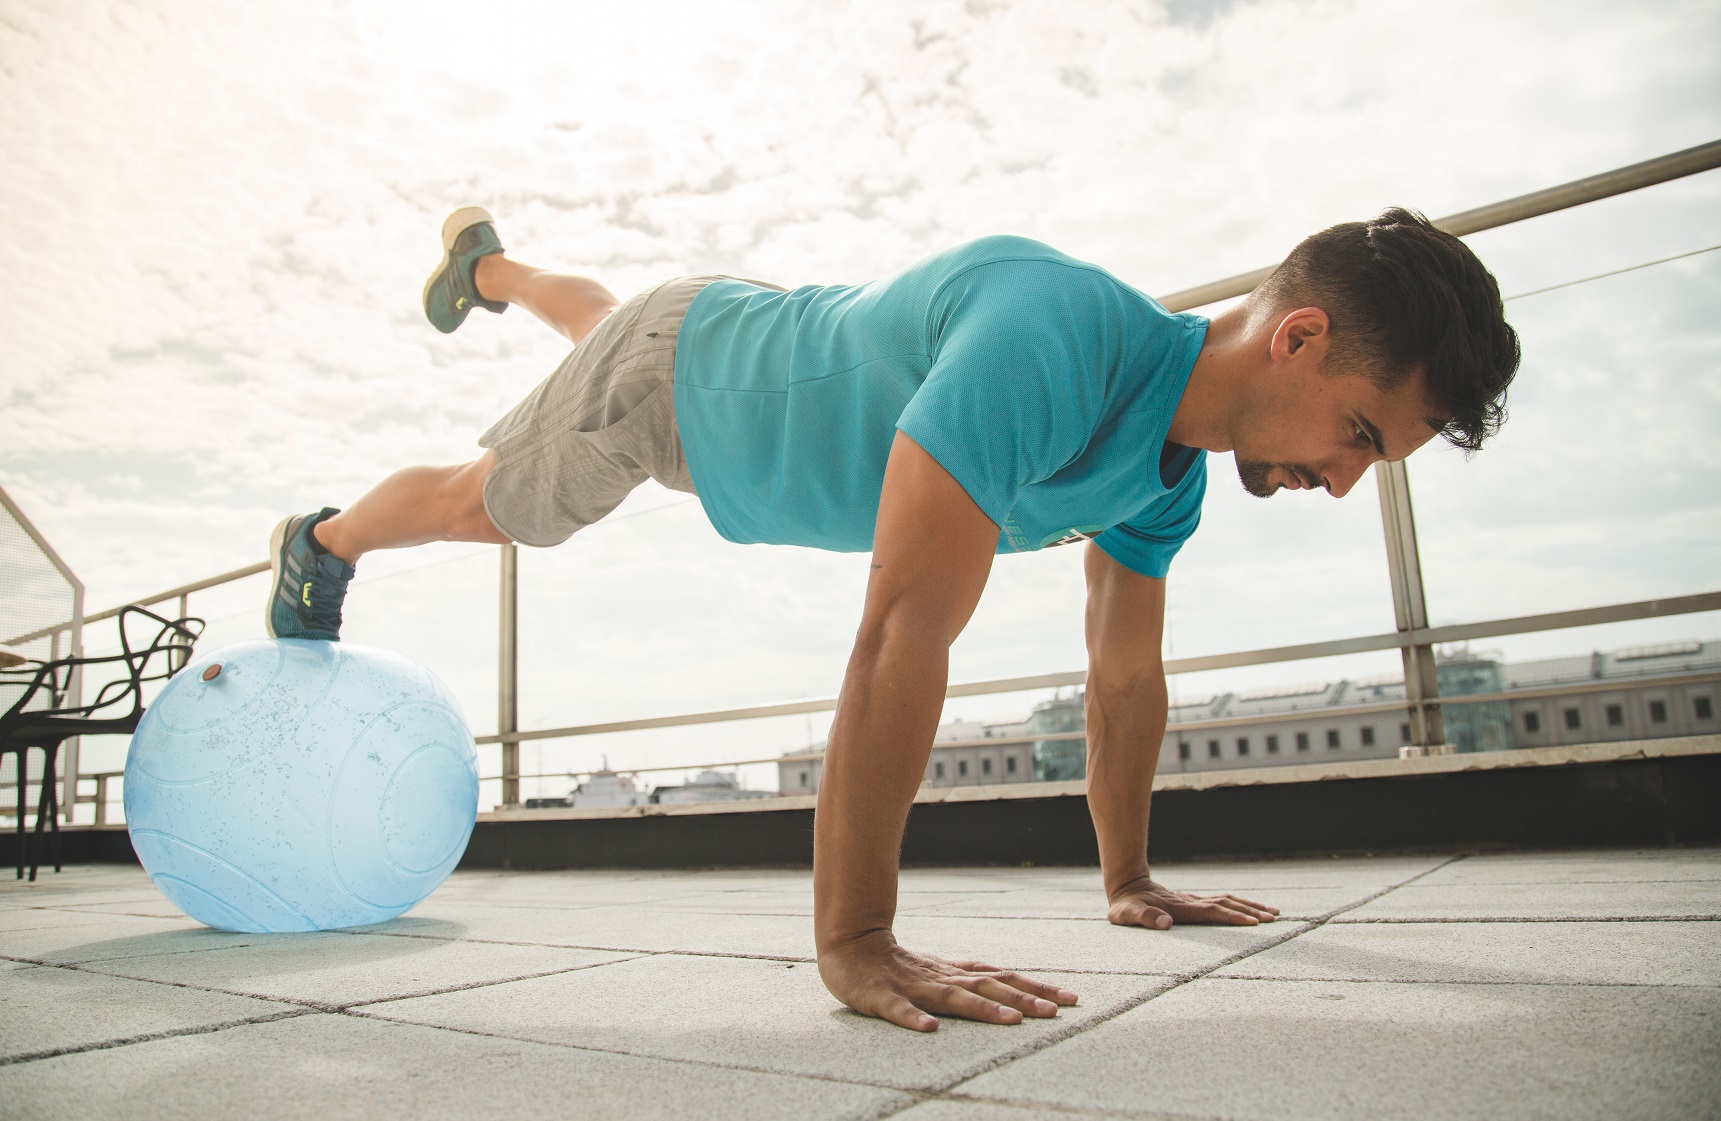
1314	429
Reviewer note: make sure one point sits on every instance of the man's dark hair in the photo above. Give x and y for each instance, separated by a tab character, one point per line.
1403	296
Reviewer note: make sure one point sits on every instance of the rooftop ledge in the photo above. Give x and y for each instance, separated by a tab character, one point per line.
1641	792
1203	780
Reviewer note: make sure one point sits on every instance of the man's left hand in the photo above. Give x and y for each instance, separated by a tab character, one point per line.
1157	907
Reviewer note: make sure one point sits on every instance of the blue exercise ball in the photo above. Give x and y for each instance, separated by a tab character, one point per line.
289	784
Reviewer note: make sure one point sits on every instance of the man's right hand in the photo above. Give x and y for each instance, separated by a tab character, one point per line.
874	975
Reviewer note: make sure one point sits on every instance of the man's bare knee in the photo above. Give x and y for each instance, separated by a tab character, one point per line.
464	495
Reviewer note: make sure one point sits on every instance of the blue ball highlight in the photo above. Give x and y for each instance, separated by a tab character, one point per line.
301	786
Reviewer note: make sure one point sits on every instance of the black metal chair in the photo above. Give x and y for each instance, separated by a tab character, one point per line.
42	718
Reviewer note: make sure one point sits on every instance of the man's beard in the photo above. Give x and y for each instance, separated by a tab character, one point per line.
1254	475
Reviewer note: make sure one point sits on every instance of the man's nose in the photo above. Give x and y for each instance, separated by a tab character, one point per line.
1341	477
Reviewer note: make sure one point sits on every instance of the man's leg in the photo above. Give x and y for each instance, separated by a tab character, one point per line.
414	507
424	504
571	305
312	555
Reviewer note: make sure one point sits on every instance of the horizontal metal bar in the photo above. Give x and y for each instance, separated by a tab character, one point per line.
1612	685
172	593
1676	165
1576	688
1494	628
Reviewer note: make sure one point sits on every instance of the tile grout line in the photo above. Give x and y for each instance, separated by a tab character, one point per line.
151	1037
1390	920
712	1064
1473	981
1178	982
303	1003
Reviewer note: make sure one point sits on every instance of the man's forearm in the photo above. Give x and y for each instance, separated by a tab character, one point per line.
1126	725
886	717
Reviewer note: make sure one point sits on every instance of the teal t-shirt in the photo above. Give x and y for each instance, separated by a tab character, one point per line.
1044	385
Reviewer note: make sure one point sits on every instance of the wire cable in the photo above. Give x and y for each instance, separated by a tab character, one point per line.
1615	272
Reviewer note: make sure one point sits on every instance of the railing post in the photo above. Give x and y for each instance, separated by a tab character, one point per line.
101	799
1409	604
69	761
508	674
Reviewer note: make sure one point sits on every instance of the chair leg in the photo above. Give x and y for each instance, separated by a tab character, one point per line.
53	791
23	806
42	797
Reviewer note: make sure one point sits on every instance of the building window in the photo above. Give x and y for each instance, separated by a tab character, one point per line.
1704	708
1302	741
1574	718
1010	764
938	770
803	778
1532	723
985	766
1242	745
1615	716
1404	732
1183	750
1332	738
1212	749
1272	745
962	768
1658	712
1368	736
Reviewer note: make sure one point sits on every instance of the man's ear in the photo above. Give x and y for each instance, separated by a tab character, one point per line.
1302	337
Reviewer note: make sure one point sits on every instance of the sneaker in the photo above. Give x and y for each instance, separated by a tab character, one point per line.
451	292
310	582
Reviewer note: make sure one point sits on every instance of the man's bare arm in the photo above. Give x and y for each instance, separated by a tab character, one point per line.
1126	714
932	552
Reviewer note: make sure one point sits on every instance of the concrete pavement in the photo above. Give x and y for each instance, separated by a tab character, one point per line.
1569	985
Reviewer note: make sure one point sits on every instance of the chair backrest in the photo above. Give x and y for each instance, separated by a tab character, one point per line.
167	649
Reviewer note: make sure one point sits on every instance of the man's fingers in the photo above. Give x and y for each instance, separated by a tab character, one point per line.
1220	913
994	989
1137	913
958	1001
1244	906
901	1012
1039	988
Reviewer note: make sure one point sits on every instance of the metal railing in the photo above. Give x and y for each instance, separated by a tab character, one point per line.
1412	635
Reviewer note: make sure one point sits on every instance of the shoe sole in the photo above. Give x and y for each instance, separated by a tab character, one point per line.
452	227
277	547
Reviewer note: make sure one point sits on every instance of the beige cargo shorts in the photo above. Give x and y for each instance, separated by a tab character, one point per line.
598	427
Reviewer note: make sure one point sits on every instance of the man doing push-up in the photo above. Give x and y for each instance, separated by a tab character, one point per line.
999	397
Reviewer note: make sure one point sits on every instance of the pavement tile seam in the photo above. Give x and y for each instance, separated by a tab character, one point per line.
1073	1110
712	1064
1110	1014
1517	983
1388	890
79	967
341	1006
635	950
151	1037
1388	920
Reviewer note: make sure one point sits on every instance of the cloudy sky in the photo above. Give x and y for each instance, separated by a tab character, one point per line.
219	215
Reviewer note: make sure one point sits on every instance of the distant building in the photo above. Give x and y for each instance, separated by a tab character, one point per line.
1058	760
1640	696
608	790
1626	706
1485	726
708	786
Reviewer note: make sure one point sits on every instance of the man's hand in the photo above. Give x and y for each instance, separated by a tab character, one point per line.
1145	903
874	975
